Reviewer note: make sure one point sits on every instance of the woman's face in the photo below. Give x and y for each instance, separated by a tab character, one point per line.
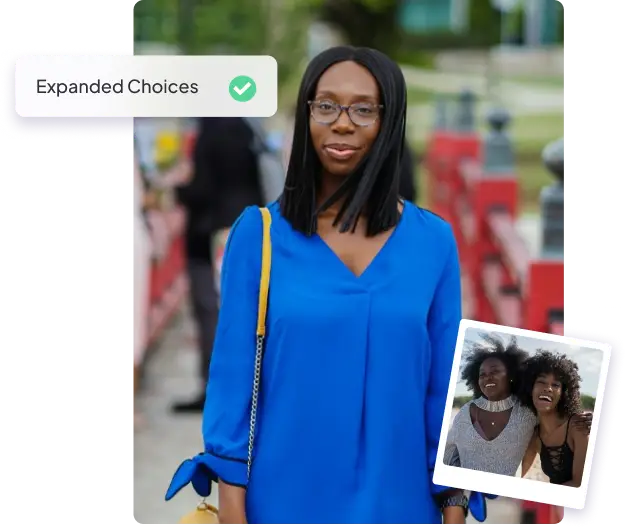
493	380
341	145
546	393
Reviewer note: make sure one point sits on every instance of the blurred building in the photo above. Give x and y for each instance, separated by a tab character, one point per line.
424	16
536	21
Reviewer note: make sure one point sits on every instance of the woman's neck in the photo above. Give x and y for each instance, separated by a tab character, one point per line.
549	422
500	397
329	184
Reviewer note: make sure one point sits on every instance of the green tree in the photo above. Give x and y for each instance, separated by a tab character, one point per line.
372	23
247	27
458	402
588	402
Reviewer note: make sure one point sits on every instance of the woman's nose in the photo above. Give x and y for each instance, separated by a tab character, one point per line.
343	123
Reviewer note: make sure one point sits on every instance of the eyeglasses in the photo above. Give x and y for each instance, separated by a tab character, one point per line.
328	112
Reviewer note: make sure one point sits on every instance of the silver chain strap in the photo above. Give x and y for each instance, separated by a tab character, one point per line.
254	403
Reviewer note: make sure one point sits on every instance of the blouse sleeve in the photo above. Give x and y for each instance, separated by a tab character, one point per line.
443	325
226	414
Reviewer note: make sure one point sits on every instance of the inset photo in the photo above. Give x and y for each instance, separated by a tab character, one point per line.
523	410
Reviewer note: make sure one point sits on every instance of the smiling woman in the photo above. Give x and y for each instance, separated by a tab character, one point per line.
550	387
492	433
363	313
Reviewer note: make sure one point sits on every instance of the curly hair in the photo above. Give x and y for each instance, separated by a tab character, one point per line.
511	355
561	367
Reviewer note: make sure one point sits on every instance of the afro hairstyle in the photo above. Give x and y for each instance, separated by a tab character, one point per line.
493	347
560	366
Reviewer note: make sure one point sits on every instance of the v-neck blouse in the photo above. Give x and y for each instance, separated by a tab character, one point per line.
355	374
384	248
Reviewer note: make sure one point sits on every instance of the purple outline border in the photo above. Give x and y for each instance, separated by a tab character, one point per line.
606	421
54	127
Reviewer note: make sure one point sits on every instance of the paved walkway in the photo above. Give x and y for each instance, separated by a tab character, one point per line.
163	440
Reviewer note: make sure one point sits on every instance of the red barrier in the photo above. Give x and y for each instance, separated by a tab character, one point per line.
503	282
188	142
447	150
507	285
168	279
168	282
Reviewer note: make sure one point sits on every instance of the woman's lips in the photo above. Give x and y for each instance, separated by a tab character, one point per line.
340	152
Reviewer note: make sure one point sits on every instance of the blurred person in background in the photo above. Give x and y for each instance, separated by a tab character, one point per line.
225	180
348	432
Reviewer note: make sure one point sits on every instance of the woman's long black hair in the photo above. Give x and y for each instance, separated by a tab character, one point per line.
373	188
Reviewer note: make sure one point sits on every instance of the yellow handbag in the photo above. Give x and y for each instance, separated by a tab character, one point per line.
205	513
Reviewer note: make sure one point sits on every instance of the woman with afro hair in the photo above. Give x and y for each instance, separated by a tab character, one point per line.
550	387
494	432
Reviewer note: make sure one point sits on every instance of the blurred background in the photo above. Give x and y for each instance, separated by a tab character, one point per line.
513	56
508	54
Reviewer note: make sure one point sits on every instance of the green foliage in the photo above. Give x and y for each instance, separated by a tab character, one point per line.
155	21
588	402
370	23
560	24
442	40
484	30
231	28
485	22
458	402
371	5
410	57
515	24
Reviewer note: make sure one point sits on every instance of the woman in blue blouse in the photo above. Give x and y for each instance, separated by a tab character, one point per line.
363	315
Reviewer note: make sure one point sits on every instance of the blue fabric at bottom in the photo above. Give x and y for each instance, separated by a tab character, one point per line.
354	382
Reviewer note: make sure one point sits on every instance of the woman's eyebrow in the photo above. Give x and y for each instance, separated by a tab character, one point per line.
354	97
325	93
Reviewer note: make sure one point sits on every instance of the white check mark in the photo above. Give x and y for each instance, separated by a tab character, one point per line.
243	89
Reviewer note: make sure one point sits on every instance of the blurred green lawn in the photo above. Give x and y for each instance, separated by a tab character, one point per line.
544	81
419	96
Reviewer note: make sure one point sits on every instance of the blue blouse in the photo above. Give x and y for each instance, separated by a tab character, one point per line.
354	379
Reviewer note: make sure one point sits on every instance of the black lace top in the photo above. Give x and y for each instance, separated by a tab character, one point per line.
557	461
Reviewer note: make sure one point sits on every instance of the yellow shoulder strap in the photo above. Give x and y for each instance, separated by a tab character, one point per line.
264	284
